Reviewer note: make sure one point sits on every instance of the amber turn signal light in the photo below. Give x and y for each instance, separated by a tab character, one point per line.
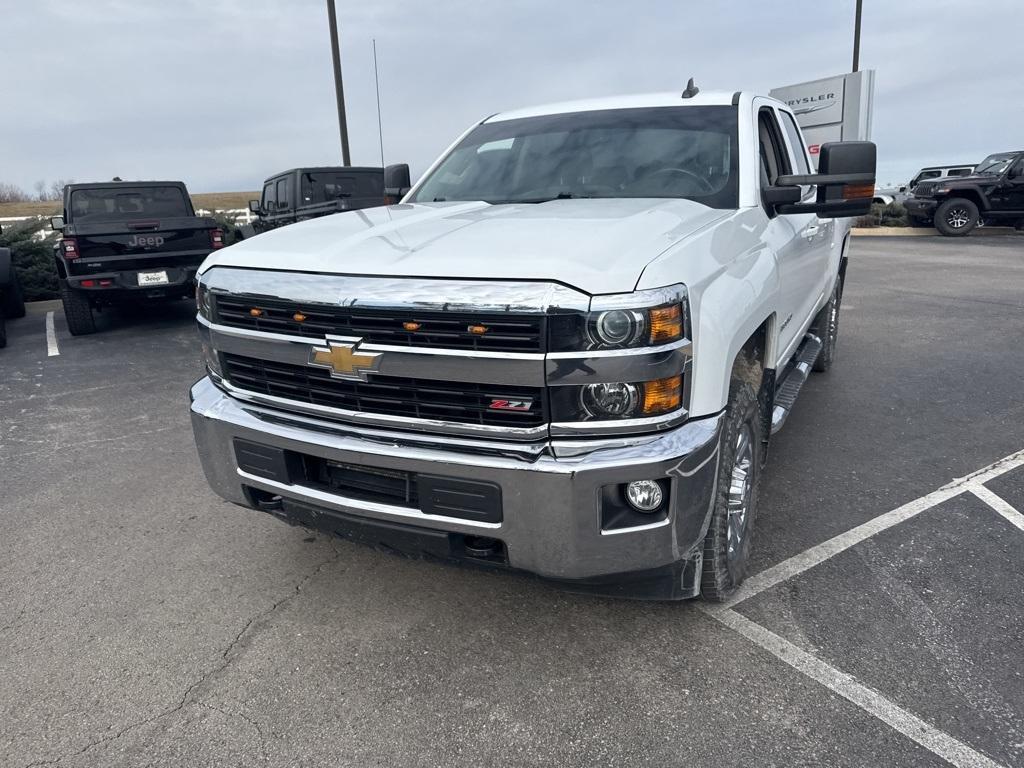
858	191
478	330
298	317
663	395
256	312
409	325
666	324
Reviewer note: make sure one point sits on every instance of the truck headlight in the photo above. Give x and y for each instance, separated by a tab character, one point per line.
618	400
203	301
622	321
619	327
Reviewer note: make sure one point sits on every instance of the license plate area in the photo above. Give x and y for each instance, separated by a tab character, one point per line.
158	277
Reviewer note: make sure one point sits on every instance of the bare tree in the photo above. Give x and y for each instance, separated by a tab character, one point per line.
57	188
11	193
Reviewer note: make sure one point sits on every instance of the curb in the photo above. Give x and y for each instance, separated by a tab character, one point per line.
929	232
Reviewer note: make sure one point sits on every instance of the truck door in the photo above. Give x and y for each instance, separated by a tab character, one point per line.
789	236
820	233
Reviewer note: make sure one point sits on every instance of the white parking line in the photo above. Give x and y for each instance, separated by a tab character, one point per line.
999	504
928	736
816	555
51	337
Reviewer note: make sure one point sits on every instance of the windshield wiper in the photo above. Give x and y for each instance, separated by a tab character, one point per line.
536	200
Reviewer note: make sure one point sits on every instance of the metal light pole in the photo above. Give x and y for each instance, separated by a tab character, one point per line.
856	37
339	89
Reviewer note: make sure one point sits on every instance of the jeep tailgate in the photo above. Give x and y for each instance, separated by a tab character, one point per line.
141	243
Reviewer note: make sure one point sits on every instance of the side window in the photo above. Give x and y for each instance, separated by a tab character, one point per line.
269	201
796	144
774	158
284	196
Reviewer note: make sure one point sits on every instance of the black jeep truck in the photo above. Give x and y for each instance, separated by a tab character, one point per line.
306	193
134	241
12	302
993	194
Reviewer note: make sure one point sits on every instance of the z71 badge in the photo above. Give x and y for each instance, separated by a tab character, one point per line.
511	405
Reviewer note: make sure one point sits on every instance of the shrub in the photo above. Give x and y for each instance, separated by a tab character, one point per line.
891	215
31	243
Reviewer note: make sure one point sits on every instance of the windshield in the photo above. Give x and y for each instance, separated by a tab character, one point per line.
113	203
652	152
994	165
325	186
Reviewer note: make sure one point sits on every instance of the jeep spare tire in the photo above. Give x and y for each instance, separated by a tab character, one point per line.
956	217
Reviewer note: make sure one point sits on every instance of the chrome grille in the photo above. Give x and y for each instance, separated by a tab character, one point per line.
503	332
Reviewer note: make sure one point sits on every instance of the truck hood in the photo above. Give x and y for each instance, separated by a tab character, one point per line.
596	245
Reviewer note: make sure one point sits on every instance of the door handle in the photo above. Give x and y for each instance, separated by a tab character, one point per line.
811	231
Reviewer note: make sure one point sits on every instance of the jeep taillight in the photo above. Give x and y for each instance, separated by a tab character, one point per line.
217	238
70	247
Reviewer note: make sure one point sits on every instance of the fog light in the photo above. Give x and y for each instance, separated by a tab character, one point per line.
644	495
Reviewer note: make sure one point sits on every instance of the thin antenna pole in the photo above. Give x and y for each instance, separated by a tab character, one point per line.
376	81
856	37
339	89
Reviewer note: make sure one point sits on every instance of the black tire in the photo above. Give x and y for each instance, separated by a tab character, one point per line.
956	217
14	299
826	328
727	543
77	311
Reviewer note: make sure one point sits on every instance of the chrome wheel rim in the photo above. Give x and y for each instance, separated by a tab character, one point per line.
957	218
738	497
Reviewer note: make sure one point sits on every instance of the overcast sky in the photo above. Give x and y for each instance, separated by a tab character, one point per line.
222	93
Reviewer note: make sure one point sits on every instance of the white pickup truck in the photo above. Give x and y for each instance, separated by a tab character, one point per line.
563	352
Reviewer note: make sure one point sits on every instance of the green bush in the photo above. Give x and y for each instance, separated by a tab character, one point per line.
891	215
32	256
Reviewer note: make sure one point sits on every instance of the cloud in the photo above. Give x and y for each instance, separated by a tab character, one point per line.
222	94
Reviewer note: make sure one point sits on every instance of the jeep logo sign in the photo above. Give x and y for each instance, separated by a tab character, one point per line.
145	241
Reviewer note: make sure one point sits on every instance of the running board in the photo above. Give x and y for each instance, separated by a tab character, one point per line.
787	393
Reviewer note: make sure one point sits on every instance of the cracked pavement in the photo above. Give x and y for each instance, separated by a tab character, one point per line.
145	622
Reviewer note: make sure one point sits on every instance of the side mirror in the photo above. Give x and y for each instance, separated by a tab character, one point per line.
845	181
254	206
56	223
776	196
396	180
903	188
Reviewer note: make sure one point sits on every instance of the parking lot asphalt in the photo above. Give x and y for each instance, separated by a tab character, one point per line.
143	621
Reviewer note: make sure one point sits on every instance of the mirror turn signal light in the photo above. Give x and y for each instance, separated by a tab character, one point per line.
858	191
663	395
666	323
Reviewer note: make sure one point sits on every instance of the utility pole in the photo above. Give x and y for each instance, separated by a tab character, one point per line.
856	37
339	89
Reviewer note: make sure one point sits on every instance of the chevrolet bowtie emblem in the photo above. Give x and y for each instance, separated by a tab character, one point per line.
343	360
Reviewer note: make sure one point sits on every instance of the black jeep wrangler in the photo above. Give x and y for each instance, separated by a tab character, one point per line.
128	241
306	193
993	194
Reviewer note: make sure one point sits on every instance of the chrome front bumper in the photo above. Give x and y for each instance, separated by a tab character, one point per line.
551	492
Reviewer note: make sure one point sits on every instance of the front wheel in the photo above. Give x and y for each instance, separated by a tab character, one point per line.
956	217
727	543
826	328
